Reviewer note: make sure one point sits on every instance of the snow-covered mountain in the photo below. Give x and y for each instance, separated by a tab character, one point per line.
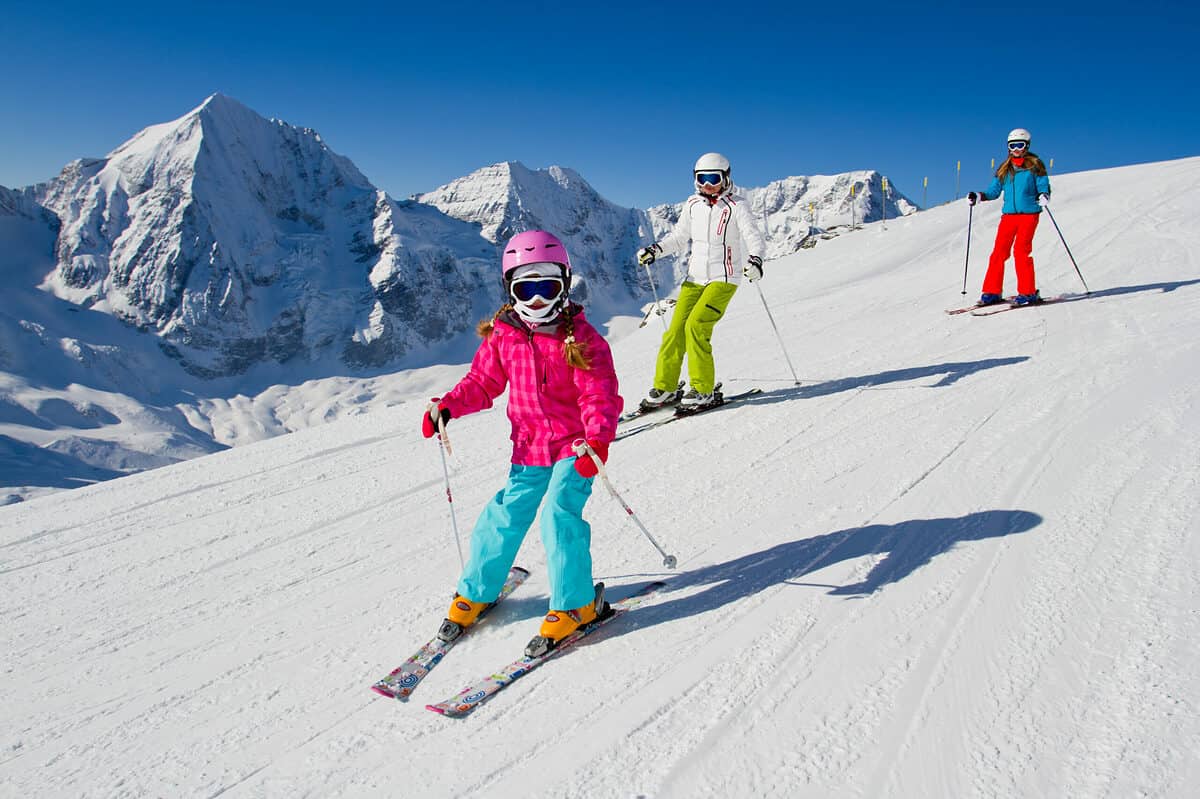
507	198
959	560
239	241
152	298
794	210
823	203
27	236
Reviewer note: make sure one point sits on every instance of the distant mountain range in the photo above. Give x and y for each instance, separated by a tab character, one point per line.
238	240
221	253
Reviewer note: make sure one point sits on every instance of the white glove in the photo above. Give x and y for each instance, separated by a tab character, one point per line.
753	268
1043	200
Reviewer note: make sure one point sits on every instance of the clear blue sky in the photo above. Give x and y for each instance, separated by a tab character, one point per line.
627	94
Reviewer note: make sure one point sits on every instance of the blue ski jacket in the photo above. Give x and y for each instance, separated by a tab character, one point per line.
1021	189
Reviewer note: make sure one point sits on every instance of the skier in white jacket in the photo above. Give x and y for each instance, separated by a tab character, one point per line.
726	245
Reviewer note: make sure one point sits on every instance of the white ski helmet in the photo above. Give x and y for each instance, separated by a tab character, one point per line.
710	163
1019	134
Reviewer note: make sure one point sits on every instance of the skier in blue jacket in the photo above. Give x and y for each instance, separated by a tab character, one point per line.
1023	181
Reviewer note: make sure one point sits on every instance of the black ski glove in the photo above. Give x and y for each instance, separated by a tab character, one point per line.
753	269
646	255
429	426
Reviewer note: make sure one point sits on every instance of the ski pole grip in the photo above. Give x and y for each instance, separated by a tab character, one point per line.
440	427
582	448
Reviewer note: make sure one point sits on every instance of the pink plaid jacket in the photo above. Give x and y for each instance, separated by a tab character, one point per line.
550	404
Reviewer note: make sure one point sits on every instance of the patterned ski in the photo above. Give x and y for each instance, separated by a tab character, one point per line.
683	414
404	679
477	693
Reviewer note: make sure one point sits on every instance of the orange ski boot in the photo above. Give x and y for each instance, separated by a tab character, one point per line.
462	614
558	624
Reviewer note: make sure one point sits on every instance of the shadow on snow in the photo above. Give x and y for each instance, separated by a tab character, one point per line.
908	546
951	373
1161	287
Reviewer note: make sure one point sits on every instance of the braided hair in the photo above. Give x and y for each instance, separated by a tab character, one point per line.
573	352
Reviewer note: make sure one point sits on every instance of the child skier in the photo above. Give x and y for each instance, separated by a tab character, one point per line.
726	244
1022	179
562	387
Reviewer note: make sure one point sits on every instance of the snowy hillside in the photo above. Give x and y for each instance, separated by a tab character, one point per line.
959	560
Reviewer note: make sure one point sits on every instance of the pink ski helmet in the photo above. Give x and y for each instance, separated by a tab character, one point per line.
532	247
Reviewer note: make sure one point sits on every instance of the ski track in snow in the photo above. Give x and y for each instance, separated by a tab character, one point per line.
959	563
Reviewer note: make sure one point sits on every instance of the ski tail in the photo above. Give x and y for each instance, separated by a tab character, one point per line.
404	679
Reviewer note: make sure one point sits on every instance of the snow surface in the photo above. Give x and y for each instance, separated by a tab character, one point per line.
959	560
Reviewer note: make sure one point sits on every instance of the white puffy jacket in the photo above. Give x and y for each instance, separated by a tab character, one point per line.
723	235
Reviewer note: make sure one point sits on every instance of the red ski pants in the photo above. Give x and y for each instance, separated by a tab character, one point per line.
1014	229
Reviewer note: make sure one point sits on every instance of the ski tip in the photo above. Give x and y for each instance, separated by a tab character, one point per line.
521	569
379	689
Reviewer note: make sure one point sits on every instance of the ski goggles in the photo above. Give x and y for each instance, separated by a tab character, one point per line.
1018	145
525	289
709	178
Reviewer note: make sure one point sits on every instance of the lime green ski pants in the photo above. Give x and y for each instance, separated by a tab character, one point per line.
697	311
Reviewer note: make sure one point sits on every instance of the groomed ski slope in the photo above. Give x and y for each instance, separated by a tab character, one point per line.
960	560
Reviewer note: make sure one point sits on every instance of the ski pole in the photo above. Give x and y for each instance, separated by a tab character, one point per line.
444	447
581	448
776	329
967	261
1068	249
657	308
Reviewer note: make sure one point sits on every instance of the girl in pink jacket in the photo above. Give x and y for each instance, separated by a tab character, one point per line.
562	388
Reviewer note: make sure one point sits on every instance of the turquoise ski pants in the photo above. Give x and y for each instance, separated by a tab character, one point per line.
567	538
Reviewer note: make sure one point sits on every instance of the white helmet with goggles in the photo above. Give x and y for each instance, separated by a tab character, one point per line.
1019	135
712	169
